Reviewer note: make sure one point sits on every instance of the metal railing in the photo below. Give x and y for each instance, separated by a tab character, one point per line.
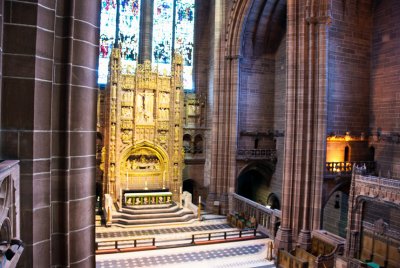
147	243
224	235
119	245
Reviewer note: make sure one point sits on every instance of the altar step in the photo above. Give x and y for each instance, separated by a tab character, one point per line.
150	209
158	214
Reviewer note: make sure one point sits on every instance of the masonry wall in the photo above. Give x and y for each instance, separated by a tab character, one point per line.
349	53
202	48
48	108
256	101
385	91
279	117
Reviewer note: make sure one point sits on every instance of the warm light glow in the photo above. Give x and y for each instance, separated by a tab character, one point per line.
335	151
343	138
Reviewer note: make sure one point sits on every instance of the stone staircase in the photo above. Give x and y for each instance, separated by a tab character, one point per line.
151	214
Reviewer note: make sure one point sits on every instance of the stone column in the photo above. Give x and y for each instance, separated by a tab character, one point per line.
305	121
48	122
146	31
225	85
1	48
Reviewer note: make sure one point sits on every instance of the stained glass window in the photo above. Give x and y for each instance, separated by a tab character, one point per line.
184	38
129	34
166	35
108	23
162	35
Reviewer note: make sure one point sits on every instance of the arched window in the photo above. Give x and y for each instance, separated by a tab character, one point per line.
108	23
129	19
198	144
173	27
163	18
346	154
187	140
184	38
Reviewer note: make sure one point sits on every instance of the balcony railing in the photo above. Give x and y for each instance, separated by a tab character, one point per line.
250	154
346	168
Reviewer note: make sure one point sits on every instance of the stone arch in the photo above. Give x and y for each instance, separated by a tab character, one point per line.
187	143
253	182
273	201
144	165
5	230
335	211
198	144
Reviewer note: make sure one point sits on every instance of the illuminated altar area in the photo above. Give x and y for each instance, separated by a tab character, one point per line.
143	151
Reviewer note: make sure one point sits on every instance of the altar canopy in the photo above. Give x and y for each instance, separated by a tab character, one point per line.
143	129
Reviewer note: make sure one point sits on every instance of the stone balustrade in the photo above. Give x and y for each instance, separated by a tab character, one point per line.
266	219
248	154
345	168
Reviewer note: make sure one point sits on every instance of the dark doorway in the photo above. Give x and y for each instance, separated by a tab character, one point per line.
188	186
254	183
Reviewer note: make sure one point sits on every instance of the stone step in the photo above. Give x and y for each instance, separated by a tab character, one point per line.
152	214
149	210
177	213
183	218
158	206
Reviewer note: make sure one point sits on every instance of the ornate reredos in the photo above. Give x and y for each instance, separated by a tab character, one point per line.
144	118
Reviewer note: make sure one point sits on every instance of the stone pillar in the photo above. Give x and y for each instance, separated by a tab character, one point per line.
224	88
48	110
1	49
146	31
306	111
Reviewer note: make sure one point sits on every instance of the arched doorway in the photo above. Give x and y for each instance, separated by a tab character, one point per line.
189	185
254	184
335	213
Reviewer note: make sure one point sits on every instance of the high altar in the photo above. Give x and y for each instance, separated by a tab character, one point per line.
143	148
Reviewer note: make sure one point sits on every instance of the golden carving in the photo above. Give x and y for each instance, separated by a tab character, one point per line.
143	163
144	113
144	107
126	136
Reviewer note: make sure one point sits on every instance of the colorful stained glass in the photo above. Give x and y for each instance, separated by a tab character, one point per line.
162	35
129	33
163	27
184	38
107	36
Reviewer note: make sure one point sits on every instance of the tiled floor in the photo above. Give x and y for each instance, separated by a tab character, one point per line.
237	254
251	253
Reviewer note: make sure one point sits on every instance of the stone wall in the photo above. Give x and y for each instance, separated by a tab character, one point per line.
256	99
349	53
279	117
385	93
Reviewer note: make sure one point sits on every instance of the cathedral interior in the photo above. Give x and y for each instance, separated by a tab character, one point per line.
278	117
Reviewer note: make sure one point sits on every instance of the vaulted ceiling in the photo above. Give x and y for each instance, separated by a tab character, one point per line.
265	27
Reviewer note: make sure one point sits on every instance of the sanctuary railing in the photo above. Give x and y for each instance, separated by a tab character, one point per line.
148	243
